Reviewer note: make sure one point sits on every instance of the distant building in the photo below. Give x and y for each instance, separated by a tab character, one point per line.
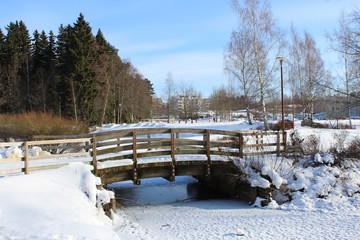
355	112
240	114
191	106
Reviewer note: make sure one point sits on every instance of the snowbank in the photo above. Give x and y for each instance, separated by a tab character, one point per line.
55	204
324	187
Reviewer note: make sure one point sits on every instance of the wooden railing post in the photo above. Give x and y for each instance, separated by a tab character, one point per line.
86	146
207	144
241	144
172	143
278	144
177	136
26	159
94	158
149	141
135	179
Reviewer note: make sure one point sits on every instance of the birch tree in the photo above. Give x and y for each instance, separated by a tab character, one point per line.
265	42
169	92
343	43
314	71
238	61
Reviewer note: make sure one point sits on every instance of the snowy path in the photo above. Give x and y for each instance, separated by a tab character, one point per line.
224	219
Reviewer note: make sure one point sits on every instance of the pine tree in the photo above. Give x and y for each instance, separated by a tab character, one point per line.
103	45
17	52
74	74
51	61
63	68
39	73
77	58
2	70
107	68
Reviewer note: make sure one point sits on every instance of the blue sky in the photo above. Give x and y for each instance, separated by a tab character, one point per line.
185	37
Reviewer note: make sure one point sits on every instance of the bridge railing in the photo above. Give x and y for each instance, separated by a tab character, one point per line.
131	146
135	146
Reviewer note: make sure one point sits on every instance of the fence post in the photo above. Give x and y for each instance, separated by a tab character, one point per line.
94	158
26	146
241	145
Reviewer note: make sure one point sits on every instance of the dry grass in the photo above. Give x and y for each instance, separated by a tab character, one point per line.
325	125
25	126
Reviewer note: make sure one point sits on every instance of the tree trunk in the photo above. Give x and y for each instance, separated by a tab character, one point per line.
74	100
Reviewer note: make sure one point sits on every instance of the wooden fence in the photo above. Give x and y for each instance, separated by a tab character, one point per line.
142	143
61	148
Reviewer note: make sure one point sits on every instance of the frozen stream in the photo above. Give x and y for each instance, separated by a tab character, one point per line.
158	191
158	209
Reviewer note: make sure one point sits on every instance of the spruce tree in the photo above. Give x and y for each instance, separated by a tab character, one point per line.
64	63
77	57
2	70
17	52
103	45
39	74
51	61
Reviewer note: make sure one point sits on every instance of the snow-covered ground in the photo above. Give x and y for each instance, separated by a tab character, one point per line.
53	204
230	219
61	203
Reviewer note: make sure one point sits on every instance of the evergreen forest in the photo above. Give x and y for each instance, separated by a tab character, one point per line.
74	74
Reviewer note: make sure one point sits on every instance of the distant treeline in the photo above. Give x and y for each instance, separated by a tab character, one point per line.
74	74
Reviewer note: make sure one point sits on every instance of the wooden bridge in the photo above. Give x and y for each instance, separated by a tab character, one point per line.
134	154
157	152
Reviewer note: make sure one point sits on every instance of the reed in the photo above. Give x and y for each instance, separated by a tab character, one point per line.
26	125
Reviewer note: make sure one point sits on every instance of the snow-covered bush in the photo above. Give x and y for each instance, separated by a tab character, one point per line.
353	149
264	171
311	144
37	151
294	147
324	187
13	152
326	158
340	138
